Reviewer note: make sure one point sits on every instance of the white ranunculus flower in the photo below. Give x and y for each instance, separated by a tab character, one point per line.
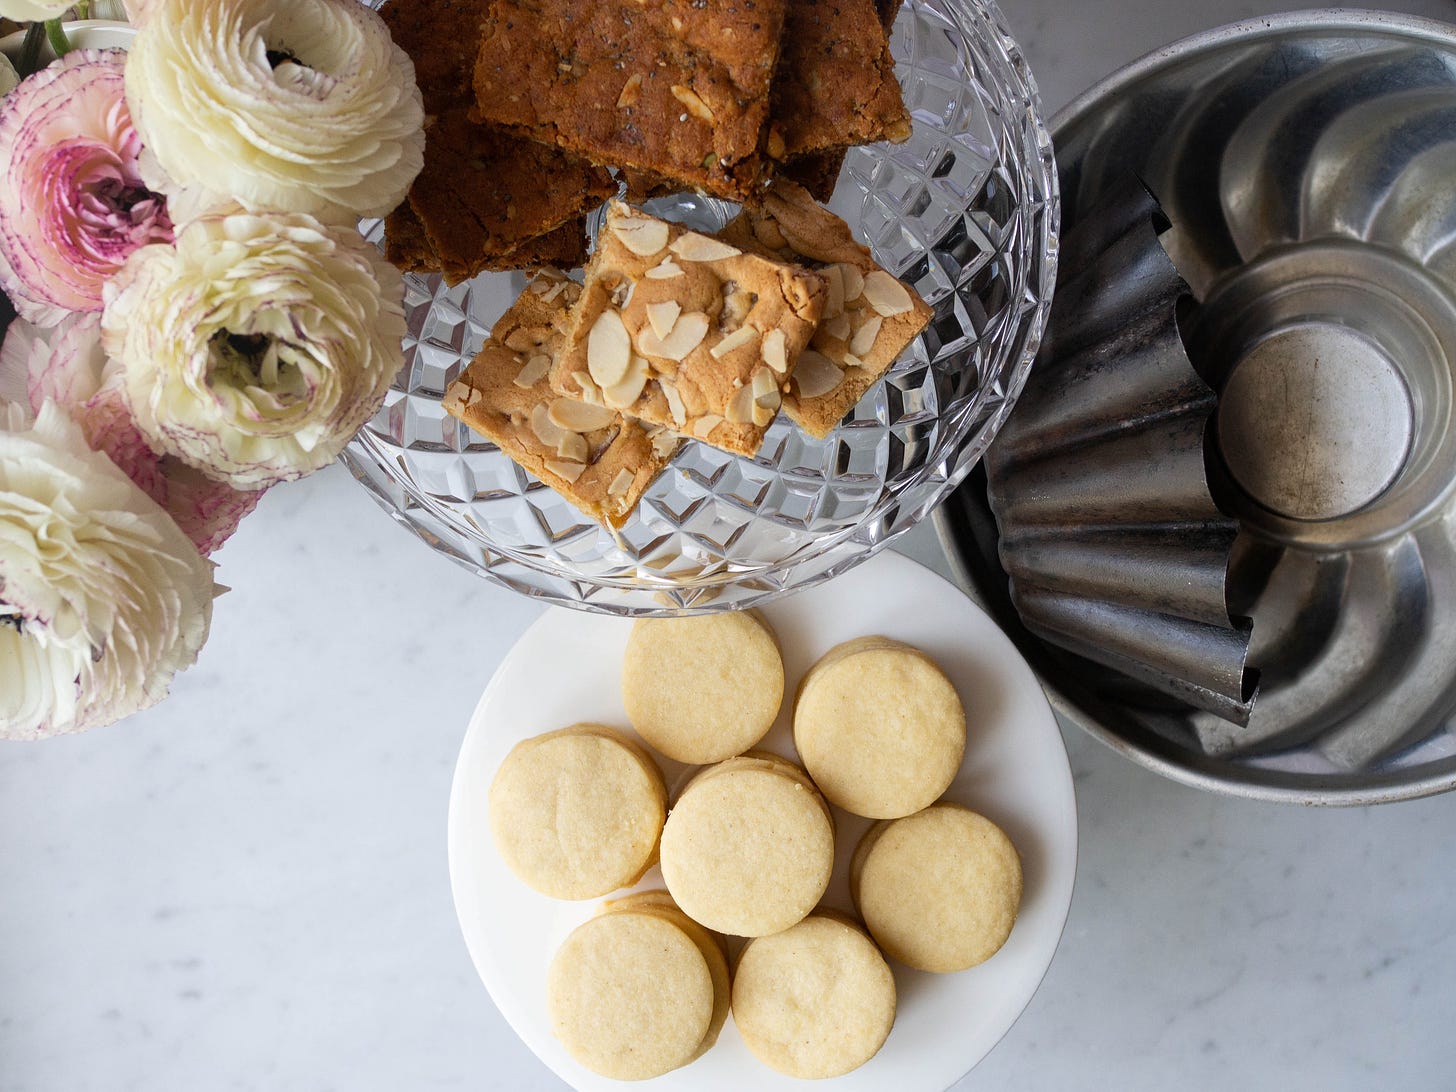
28	11
307	106
102	597
259	345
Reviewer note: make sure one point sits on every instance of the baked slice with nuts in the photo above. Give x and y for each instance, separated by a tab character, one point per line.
597	459
869	317
684	330
836	82
679	88
486	199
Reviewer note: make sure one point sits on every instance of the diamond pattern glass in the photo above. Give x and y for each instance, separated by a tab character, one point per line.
966	210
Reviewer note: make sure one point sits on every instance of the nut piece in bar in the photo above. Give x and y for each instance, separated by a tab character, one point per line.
679	88
869	317
597	459
835	83
681	329
486	199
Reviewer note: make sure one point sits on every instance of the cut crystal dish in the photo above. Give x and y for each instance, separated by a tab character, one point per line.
966	211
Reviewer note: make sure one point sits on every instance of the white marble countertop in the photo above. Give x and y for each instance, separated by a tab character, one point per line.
245	888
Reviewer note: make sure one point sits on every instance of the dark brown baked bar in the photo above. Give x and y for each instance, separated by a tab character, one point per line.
836	80
679	88
486	198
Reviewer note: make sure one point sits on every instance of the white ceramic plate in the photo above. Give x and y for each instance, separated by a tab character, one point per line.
567	668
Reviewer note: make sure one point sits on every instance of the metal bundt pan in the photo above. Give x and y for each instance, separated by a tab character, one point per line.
1307	164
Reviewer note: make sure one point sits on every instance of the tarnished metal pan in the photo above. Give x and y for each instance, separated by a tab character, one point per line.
1306	162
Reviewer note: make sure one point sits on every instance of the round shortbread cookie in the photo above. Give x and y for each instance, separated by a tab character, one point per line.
577	813
632	994
749	846
702	689
816	1000
938	890
879	727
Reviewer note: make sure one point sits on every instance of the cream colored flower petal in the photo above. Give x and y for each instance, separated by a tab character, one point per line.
307	106
102	597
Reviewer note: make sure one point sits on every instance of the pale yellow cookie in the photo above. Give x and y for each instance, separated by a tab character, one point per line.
577	813
879	727
938	890
702	689
749	846
638	990
816	1000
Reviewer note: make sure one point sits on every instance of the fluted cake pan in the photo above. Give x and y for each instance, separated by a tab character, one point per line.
1109	535
1305	162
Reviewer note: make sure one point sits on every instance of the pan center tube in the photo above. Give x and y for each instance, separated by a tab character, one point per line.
1315	422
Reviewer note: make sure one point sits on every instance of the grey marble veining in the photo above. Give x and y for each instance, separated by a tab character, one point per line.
245	888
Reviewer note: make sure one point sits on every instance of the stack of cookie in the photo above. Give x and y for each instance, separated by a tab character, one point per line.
676	334
529	102
747	850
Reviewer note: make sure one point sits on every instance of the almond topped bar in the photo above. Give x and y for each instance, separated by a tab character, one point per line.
684	330
679	88
869	317
597	459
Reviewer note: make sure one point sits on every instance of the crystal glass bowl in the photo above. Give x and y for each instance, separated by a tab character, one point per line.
966	210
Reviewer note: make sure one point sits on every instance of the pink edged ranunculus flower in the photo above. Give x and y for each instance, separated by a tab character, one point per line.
68	366
72	202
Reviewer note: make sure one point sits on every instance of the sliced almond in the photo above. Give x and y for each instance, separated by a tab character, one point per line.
764	411
834	291
853	282
622	294
564	468
631	91
664	444
764	384
589	392
621	483
546	430
775	351
686	335
692	247
744	335
608	349
674	404
837	327
852	361
664	270
815	374
533	371
573	446
623	394
693	103
576	416
865	337
541	286
703	427
663	315
740	406
642	235
887	295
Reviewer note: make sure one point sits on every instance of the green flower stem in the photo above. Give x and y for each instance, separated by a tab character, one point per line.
83	9
57	35
30	50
